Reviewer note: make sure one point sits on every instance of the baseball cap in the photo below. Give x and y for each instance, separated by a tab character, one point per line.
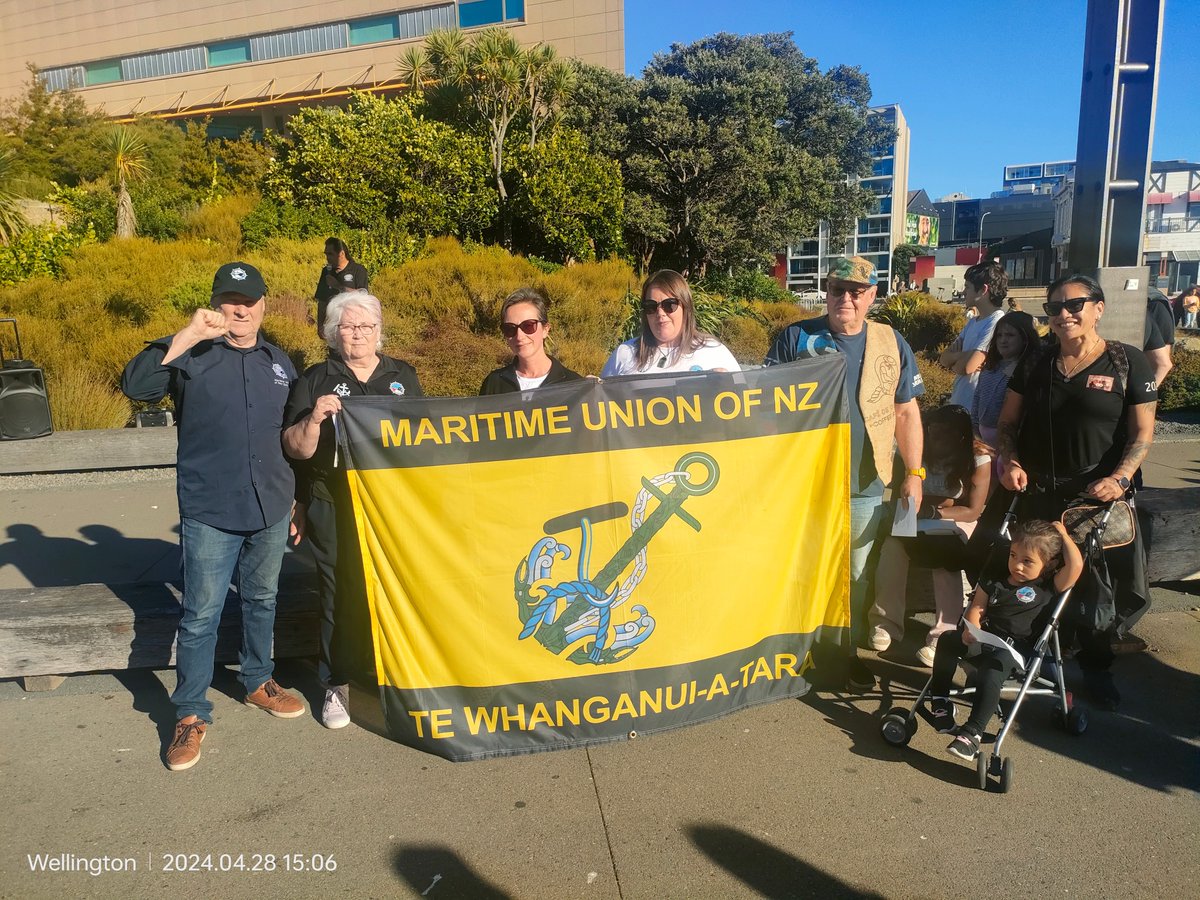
239	278
854	268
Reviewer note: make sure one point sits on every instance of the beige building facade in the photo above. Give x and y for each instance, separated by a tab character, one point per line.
257	62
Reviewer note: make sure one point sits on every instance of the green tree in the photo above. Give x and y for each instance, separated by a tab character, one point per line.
35	123
566	200
378	160
733	147
487	83
128	164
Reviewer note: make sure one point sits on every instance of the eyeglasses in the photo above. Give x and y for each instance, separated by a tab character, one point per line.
357	329
529	326
856	293
669	305
1055	307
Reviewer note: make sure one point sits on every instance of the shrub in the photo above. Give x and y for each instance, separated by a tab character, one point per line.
220	222
276	219
80	400
746	284
939	381
39	250
779	315
746	339
1181	388
924	322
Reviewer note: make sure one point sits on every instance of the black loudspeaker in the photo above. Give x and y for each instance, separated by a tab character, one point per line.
24	406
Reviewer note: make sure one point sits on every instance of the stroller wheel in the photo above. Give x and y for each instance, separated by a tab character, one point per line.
981	769
1077	720
897	729
1006	774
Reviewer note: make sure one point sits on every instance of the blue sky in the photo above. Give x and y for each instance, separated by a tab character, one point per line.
983	85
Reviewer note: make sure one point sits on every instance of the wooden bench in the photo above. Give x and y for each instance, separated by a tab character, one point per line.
50	632
1171	524
88	451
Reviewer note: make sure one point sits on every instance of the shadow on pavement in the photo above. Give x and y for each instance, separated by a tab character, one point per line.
439	871
768	870
59	561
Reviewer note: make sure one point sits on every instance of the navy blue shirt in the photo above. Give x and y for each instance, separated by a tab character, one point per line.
231	471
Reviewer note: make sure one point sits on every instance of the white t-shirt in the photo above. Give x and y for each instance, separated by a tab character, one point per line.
712	355
976	335
528	384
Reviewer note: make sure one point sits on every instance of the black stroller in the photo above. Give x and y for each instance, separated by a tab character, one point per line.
899	727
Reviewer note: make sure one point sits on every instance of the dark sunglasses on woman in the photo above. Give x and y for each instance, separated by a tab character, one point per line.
1054	307
669	305
529	326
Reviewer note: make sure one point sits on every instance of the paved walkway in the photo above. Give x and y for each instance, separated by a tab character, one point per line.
794	799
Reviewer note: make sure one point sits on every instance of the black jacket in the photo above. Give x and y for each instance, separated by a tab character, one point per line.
504	381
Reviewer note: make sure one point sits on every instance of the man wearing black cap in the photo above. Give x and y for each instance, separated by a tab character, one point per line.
235	491
341	273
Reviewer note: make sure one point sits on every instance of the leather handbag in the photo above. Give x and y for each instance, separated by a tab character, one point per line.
1084	515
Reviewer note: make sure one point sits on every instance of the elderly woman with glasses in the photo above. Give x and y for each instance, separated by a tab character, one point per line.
353	329
669	340
1078	420
525	326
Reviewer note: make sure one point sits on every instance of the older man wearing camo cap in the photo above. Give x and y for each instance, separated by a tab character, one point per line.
882	383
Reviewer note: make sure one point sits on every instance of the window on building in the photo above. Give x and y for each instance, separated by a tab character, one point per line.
299	41
164	62
1193	211
102	72
374	30
885	205
1056	169
229	53
883	166
415	23
807	248
1014	172
489	12
63	79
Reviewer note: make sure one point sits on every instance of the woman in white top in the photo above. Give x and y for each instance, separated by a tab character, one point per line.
669	340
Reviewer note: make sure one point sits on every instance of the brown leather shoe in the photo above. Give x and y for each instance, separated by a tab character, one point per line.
276	701
185	745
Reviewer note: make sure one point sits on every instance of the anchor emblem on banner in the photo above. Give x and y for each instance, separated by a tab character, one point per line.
559	615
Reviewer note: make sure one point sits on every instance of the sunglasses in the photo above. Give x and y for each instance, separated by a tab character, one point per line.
1054	307
649	307
529	326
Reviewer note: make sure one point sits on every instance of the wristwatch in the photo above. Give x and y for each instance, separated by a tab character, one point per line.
920	472
1122	481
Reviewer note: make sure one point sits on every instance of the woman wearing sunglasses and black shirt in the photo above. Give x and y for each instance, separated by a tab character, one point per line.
1078	420
525	326
669	340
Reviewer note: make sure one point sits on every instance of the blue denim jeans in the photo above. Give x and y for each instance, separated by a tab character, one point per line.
866	523
211	557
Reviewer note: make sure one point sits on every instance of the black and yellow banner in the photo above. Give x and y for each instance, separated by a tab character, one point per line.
592	560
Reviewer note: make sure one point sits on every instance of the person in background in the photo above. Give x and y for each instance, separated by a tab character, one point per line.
883	384
1014	337
1159	335
341	273
525	326
669	339
1191	306
235	492
984	289
358	368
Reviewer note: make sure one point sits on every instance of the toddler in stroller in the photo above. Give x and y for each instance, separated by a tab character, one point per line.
1042	561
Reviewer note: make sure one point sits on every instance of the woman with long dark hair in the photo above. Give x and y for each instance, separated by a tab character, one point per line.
1078	421
669	340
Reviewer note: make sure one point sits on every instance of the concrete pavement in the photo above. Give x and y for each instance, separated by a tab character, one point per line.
793	799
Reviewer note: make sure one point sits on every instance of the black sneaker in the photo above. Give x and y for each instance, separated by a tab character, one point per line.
941	714
965	746
1101	689
858	676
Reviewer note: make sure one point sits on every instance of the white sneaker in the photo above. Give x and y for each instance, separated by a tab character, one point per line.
880	639
925	655
336	711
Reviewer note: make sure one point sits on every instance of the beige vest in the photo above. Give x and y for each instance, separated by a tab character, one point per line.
877	394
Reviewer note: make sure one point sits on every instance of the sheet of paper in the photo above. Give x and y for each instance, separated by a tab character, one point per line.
991	640
905	522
